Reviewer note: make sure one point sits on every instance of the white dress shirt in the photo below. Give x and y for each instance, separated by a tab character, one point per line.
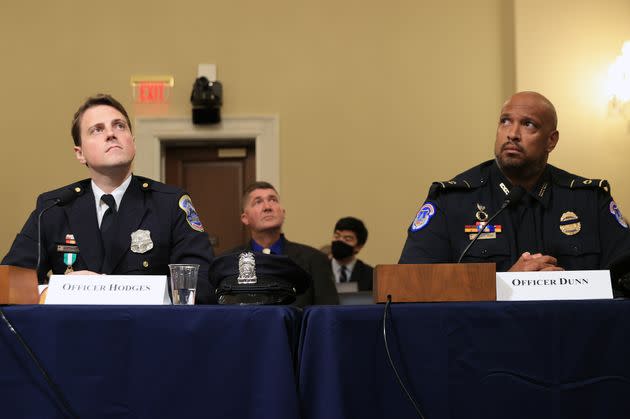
117	193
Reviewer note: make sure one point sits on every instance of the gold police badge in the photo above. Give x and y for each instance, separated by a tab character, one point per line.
570	223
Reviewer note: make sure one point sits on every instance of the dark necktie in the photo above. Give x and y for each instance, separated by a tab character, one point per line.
343	276
108	233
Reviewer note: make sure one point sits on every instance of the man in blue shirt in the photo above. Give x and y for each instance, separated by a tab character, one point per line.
263	215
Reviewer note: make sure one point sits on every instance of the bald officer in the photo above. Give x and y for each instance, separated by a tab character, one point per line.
564	221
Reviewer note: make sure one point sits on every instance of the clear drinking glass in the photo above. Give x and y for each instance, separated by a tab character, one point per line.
184	282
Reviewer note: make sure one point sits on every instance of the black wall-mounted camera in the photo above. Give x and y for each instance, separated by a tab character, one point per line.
206	99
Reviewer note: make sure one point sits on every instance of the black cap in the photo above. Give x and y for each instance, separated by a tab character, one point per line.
274	279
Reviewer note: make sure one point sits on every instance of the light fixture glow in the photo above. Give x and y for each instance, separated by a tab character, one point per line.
618	86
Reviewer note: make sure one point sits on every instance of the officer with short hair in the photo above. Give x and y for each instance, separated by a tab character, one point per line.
563	221
114	222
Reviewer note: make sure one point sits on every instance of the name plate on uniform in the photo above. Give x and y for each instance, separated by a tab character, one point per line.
553	285
108	289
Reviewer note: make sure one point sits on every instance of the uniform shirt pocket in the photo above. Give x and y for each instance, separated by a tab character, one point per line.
577	254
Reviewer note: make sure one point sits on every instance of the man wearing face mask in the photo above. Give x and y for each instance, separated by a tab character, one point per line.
349	238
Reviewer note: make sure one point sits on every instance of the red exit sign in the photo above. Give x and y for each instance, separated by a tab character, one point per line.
152	89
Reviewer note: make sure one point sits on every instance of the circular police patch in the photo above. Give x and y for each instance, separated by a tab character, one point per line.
616	212
423	217
191	215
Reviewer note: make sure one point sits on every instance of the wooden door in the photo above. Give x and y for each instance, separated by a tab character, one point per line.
215	175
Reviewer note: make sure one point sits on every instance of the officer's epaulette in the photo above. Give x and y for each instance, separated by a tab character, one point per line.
147	185
571	181
452	185
80	187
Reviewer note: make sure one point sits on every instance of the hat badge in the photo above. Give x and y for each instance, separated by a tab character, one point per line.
247	268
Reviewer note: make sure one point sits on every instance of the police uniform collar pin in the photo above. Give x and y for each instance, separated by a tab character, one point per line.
247	268
504	188
543	189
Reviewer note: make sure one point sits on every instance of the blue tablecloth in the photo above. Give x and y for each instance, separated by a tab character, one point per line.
468	360
152	362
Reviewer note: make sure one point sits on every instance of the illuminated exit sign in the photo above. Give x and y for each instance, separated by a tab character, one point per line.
152	90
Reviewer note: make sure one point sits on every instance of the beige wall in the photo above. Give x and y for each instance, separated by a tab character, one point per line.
564	49
375	99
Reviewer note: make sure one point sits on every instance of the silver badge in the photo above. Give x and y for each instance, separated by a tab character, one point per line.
247	268
141	241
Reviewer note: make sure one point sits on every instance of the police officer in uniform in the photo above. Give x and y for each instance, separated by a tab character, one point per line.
563	221
114	222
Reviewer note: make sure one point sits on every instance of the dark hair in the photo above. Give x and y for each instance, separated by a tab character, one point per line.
254	186
355	225
99	99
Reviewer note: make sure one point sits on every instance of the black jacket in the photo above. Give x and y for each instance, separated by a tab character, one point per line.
362	274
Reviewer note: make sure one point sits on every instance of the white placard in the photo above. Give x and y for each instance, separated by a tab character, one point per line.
553	285
108	289
343	287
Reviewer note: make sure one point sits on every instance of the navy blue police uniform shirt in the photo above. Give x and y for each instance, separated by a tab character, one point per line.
156	225
565	216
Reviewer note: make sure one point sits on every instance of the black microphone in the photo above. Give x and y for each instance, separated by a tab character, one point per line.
66	196
512	198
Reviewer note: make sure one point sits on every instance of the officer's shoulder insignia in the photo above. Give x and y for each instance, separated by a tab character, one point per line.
185	203
454	184
457	184
582	183
616	212
146	184
571	181
423	217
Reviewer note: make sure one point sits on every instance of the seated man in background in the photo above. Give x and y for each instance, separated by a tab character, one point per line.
264	216
563	221
114	222
349	238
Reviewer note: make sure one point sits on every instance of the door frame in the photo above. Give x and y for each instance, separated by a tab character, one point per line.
151	134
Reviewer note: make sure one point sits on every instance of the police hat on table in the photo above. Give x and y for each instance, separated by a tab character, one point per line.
257	278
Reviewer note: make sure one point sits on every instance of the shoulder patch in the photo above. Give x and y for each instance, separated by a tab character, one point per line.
616	212
185	203
423	217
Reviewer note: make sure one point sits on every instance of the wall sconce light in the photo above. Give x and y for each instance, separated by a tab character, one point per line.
618	89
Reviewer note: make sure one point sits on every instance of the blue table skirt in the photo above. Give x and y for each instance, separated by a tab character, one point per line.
152	362
528	360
